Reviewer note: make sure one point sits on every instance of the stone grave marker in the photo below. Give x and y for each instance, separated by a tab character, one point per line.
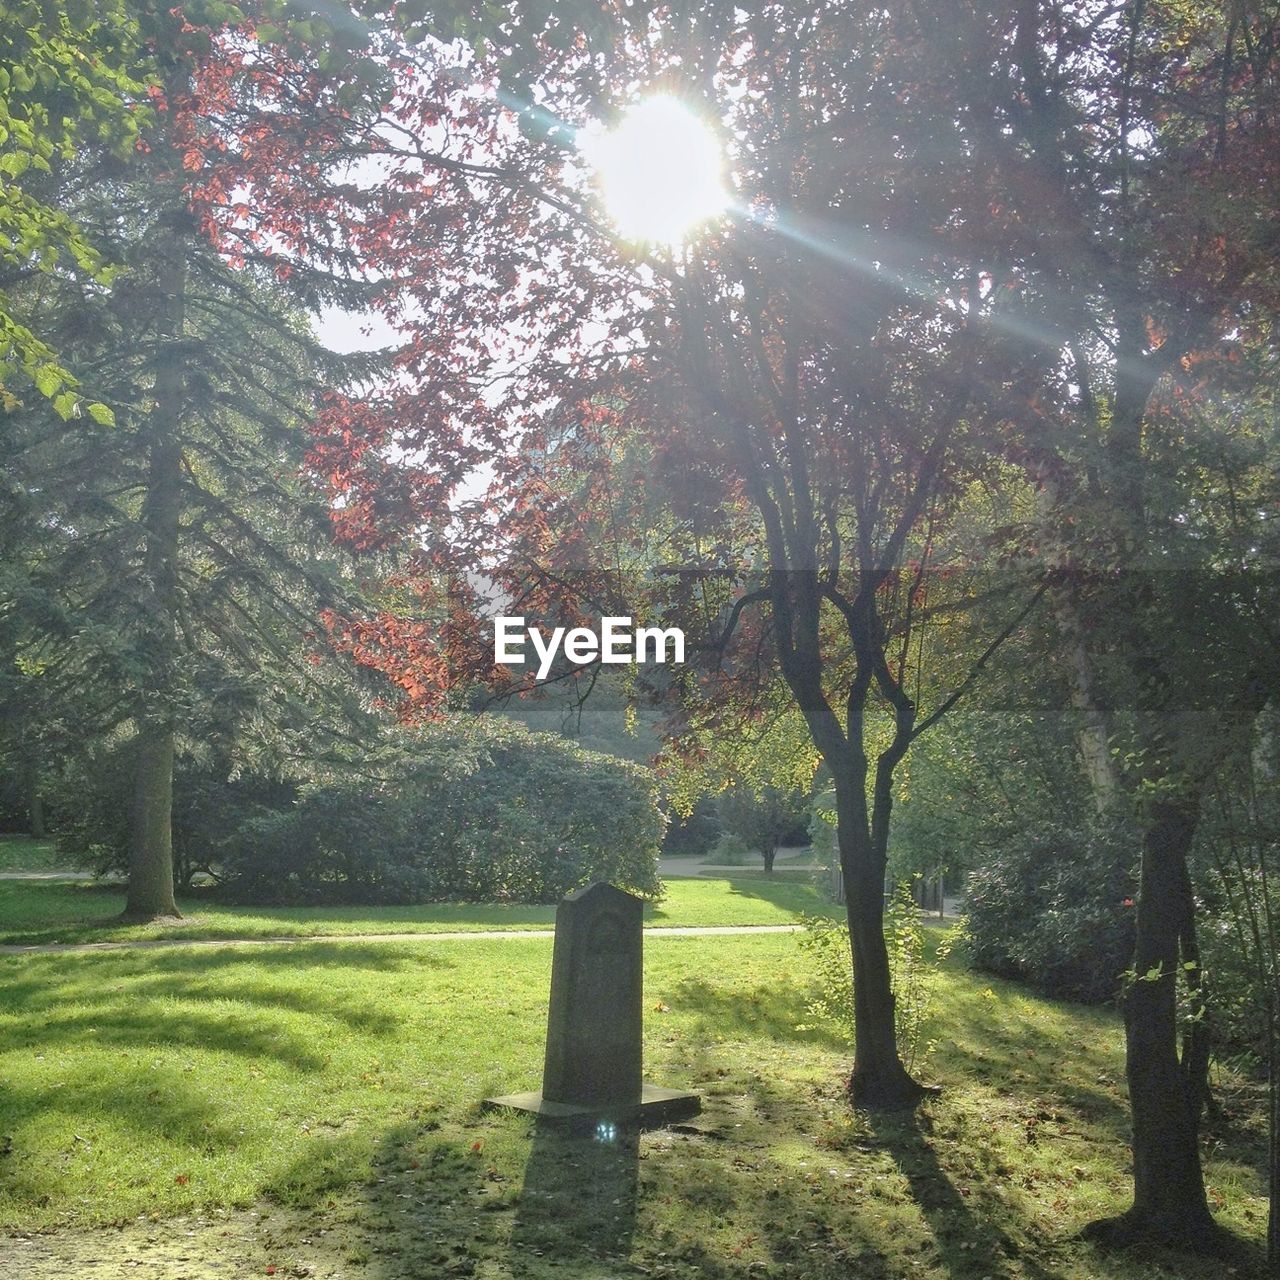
593	1072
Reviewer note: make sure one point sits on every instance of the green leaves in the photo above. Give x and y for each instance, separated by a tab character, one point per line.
15	163
68	82
48	378
66	404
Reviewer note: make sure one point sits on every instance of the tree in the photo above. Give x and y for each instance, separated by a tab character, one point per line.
178	564
762	819
1023	242
809	392
1136	156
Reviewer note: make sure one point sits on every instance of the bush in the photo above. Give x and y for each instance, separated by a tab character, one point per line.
1056	910
731	851
209	807
695	835
1237	873
486	811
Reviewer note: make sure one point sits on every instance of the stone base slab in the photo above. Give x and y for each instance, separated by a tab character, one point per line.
657	1106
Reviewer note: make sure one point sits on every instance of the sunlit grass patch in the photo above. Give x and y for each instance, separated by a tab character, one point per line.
36	912
337	1088
24	853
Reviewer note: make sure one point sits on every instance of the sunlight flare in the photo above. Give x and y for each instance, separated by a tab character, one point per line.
660	170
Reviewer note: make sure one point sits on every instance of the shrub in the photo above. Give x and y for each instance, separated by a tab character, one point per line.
913	973
483	810
1056	910
731	851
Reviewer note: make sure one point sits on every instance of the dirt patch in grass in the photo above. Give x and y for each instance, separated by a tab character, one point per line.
218	1246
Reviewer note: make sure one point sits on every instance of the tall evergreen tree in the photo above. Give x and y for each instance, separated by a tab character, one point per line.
178	553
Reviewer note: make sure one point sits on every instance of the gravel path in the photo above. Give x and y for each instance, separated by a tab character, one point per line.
78	876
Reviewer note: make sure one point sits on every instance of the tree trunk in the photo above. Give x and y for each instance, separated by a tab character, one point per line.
1169	1201
151	839
150	893
879	1081
770	853
35	801
1273	1097
1093	728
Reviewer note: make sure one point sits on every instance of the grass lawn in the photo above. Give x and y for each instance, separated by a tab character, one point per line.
315	1111
51	911
22	853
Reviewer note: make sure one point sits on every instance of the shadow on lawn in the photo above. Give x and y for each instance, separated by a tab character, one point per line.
772	1175
962	1218
63	992
791	893
578	1197
776	1011
1039	1050
193	1002
185	966
535	1200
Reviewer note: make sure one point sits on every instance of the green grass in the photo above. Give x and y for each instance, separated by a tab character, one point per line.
49	912
319	1108
22	853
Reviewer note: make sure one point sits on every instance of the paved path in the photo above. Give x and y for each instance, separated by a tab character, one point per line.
85	876
141	944
690	867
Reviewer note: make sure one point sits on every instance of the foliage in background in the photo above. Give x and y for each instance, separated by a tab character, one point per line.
476	809
1055	908
913	964
213	800
762	819
1237	861
996	771
481	810
601	712
694	833
71	81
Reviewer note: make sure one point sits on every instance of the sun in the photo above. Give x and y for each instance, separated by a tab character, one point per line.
660	170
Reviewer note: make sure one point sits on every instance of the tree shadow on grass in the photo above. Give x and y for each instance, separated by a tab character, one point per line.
1038	1048
962	1218
163	1106
776	1011
40	976
791	892
125	1026
155	1015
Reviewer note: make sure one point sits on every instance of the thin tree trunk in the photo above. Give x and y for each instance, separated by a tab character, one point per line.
770	853
35	801
1093	722
879	1080
1273	1096
1197	1037
151	851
